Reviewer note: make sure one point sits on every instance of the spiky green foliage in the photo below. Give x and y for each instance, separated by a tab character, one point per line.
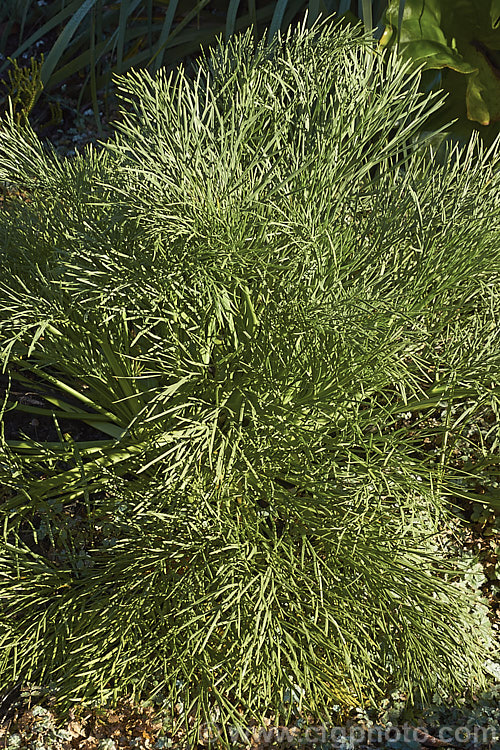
242	295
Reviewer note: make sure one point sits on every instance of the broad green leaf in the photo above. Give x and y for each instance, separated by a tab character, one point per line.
462	36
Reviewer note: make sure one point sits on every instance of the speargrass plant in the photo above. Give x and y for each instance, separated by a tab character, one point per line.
254	301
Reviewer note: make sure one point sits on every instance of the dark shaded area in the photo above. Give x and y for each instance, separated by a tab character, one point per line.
19	423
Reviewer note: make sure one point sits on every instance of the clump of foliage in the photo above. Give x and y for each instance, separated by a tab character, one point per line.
235	325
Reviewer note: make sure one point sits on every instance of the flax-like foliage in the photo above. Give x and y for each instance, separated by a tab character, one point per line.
95	38
254	301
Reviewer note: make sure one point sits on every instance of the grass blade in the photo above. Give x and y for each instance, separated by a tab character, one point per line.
63	40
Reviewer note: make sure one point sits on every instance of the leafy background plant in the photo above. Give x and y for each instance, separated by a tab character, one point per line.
237	322
462	41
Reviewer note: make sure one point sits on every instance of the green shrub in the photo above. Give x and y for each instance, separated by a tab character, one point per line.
252	306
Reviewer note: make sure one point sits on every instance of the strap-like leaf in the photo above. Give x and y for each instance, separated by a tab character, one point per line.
165	32
277	19
63	40
40	33
367	14
231	17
